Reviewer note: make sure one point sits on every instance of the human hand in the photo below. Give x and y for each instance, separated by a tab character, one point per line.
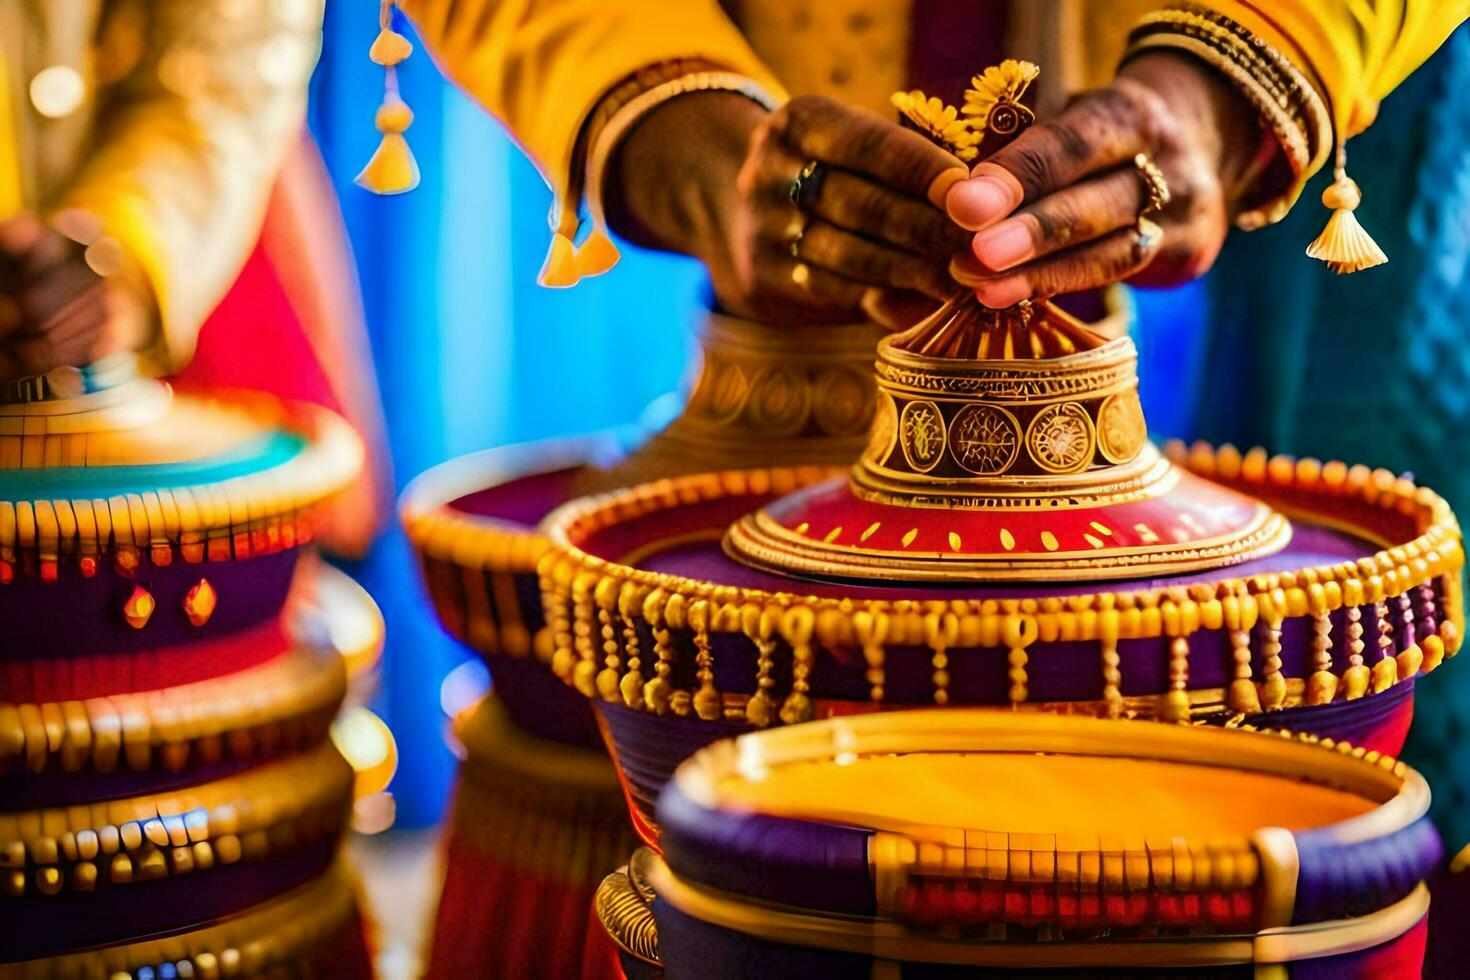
711	175
56	310
1080	195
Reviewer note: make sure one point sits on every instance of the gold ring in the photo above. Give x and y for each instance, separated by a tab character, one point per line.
1154	185
801	274
1146	236
794	233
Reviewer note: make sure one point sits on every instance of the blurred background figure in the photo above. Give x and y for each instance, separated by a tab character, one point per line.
159	197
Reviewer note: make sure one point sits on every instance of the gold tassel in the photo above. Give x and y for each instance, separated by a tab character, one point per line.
561	263
596	255
392	169
1344	245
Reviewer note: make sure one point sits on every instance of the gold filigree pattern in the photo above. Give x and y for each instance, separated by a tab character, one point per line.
921	432
1121	428
985	439
1060	438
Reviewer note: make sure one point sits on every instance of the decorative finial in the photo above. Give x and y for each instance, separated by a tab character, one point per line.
1001	87
1344	244
392	169
964	328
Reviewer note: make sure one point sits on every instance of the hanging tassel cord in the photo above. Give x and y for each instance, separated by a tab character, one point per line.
392	168
1344	244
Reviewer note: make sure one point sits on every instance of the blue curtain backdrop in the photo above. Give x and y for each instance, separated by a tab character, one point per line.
471	353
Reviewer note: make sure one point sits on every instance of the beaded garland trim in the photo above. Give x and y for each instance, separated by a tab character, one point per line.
594	608
277	934
256	514
263	811
289	700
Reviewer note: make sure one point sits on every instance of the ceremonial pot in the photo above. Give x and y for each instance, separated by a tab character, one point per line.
941	843
175	659
1008	538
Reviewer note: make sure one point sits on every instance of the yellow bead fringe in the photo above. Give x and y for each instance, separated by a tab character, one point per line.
588	598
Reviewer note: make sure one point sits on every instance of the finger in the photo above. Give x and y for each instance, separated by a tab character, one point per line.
85	314
1097	132
44	297
860	260
817	128
1109	259
20	233
813	285
896	309
870	210
1071	216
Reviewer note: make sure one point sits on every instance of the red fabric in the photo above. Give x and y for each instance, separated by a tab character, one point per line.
255	340
35	680
499	921
1397	959
292	325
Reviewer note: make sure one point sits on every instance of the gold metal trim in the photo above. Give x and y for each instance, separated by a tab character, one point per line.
625	912
275	934
885	939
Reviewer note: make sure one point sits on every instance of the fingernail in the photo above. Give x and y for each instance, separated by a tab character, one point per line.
939	188
1000	293
964	270
979	202
1008	243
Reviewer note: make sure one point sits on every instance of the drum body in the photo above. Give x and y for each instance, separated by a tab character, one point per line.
934	843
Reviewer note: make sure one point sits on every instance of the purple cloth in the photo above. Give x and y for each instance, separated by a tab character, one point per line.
1340	881
775	859
80	616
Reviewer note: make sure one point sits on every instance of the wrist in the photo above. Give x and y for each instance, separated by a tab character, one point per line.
671	179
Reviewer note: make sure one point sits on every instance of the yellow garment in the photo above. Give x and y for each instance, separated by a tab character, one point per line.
186	109
541	66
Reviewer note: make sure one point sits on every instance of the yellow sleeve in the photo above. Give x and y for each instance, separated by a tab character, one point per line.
1356	51
183	164
542	66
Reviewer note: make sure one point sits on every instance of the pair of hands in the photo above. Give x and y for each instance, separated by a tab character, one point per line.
55	310
897	220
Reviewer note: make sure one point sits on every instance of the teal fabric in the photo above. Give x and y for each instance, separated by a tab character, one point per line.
1372	367
78	482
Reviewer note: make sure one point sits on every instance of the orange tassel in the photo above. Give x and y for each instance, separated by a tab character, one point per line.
596	255
392	169
560	269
